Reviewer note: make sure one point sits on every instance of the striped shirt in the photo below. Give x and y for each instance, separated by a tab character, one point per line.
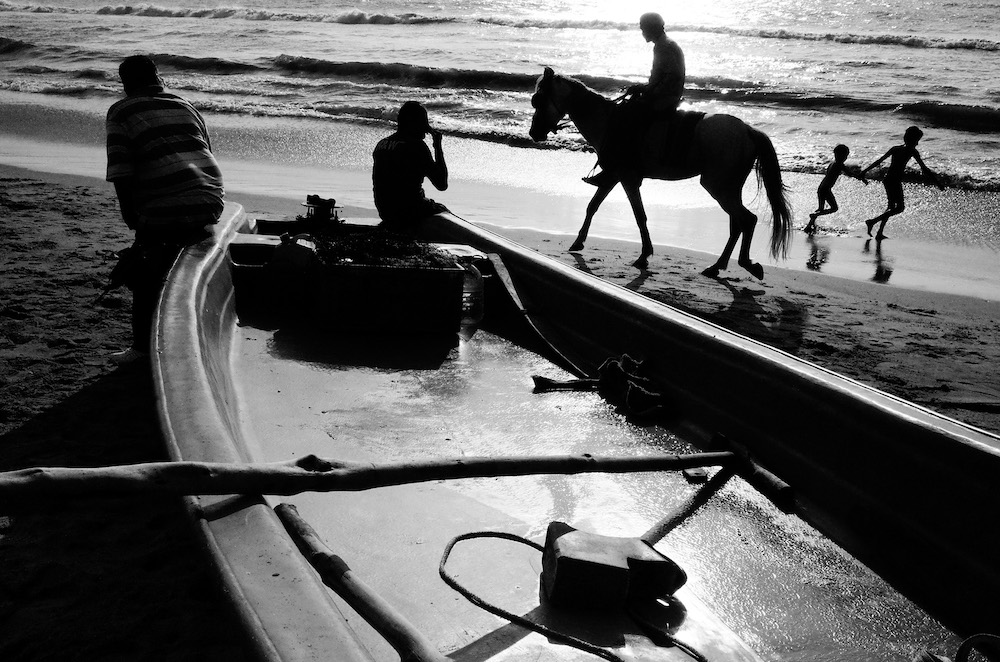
160	143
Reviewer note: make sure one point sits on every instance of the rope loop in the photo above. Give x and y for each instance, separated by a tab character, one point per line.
538	627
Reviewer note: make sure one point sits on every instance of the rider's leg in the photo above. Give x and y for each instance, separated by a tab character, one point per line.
620	154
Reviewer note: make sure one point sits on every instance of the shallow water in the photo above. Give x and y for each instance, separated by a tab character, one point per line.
808	75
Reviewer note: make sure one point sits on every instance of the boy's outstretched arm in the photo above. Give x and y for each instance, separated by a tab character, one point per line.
882	158
928	173
857	173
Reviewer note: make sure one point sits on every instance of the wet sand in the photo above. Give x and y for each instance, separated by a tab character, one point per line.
107	579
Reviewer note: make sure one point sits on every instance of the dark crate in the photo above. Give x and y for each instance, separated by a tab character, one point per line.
391	299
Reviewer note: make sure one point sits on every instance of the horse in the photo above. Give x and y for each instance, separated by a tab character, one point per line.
722	149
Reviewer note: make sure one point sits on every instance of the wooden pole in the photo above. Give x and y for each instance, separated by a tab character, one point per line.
315	474
409	642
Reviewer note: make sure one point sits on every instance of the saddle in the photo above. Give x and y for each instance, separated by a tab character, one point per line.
668	139
650	137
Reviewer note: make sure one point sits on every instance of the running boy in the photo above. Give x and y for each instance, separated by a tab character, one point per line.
825	190
893	180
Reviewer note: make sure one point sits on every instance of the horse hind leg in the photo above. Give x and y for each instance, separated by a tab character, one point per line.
635	199
742	223
749	222
723	262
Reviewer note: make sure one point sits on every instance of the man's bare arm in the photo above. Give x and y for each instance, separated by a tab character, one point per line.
439	169
126	202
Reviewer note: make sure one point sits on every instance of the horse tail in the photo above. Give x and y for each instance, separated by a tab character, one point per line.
769	176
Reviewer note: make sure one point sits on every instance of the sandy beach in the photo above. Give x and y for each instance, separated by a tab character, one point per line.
112	579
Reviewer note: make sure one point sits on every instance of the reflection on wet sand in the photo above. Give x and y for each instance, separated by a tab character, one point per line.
883	264
819	253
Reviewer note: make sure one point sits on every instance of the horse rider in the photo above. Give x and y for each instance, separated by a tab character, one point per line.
657	99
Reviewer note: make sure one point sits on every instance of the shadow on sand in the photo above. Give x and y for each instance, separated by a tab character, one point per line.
104	578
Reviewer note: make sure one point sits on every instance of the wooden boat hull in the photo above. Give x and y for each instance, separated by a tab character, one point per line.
861	461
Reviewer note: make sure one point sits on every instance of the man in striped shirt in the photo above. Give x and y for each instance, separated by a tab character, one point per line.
168	183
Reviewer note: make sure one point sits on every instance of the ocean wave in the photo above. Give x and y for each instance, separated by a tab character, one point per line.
974	119
408	74
358	17
11	46
34	70
556	24
73	91
703	89
95	74
36	9
411	75
212	65
911	41
347	17
977	119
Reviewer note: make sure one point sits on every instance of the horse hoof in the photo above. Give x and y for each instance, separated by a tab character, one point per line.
641	263
711	272
577	246
755	270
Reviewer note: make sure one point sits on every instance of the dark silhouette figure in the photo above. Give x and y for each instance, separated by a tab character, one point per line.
657	99
720	149
401	162
168	183
899	156
825	191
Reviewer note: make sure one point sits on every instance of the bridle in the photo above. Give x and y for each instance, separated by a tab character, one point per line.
549	98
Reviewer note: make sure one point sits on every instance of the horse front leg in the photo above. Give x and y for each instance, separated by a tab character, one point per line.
595	204
635	199
728	193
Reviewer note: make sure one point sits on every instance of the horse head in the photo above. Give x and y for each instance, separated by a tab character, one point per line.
549	106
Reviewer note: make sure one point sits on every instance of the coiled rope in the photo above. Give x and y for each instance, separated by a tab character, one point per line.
656	634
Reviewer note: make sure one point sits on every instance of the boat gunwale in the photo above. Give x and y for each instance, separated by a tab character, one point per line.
275	593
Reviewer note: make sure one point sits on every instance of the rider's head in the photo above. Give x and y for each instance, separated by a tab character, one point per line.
412	119
652	25
841	152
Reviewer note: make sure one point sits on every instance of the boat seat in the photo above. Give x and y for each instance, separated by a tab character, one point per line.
252	249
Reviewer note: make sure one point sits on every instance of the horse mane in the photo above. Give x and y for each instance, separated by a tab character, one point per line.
578	86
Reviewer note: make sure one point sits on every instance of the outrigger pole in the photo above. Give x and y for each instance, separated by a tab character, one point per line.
314	474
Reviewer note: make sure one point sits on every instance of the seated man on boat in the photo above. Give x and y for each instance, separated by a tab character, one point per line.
656	100
168	183
401	162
